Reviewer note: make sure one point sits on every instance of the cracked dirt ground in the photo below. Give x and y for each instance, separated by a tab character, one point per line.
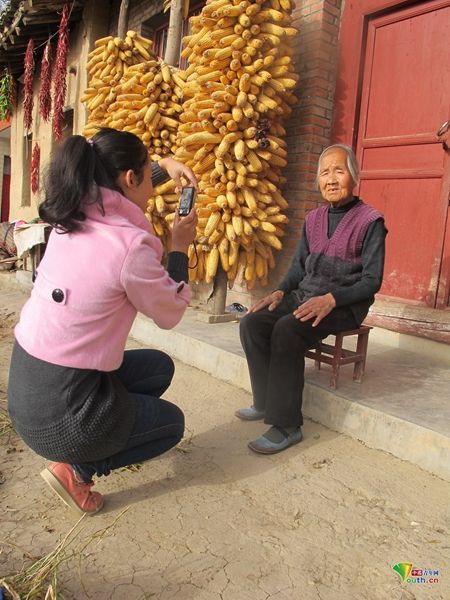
210	520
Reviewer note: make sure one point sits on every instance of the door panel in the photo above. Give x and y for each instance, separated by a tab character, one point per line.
406	158
414	251
407	77
404	167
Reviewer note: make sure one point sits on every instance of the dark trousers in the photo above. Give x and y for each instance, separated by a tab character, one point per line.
158	425
274	344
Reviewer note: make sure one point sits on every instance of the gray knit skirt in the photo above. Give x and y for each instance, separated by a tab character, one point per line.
65	414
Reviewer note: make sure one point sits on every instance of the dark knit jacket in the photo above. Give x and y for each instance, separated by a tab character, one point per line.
341	252
158	175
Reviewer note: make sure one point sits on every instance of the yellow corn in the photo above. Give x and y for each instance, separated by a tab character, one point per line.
270	239
202	138
240	150
223	253
212	223
212	264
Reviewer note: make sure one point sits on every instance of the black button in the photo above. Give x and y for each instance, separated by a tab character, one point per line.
58	295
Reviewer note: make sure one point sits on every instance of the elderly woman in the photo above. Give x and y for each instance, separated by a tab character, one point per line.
329	287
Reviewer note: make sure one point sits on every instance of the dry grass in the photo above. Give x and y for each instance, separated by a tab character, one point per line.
5	423
7	322
38	581
134	468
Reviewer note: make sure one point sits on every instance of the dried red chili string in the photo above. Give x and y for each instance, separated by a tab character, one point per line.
28	86
35	165
45	98
60	83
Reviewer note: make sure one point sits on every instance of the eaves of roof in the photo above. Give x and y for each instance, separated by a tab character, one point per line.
21	20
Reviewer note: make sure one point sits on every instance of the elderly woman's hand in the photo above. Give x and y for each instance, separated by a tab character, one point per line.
176	170
318	307
272	301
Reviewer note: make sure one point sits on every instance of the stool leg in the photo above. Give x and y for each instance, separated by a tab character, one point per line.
360	365
318	356
336	361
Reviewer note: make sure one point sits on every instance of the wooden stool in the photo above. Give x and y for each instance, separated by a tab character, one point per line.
335	355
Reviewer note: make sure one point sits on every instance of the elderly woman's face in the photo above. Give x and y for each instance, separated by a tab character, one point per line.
335	182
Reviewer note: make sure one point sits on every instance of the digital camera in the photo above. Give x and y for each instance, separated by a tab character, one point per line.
187	201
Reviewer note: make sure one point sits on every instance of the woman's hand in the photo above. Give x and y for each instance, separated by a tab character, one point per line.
272	301
318	307
176	170
184	231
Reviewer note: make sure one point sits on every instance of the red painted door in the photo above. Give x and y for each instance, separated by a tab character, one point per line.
405	169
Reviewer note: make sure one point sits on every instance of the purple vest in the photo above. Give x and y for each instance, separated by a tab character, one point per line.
335	263
346	242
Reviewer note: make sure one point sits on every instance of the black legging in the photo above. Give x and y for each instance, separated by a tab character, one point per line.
158	426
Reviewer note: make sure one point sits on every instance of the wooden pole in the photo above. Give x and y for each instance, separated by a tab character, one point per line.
172	53
122	25
217	300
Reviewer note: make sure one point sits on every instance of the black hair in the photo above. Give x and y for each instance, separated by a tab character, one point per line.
80	166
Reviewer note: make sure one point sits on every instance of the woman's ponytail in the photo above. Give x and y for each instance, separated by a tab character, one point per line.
80	166
69	180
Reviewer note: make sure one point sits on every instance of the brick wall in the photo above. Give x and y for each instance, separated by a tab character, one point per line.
141	10
308	128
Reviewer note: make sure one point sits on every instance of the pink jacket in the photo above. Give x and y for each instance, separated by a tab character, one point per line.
90	285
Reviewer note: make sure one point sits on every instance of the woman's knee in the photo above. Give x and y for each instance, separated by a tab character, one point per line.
247	323
172	415
289	333
252	326
169	365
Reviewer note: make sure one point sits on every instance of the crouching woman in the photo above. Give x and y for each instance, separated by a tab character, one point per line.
75	396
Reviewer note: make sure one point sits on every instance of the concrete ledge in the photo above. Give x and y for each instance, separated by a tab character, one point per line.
411	343
408	441
411	442
215	361
224	318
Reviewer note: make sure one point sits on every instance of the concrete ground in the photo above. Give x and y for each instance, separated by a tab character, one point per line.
210	520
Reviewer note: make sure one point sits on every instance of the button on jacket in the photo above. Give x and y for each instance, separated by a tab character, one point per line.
92	282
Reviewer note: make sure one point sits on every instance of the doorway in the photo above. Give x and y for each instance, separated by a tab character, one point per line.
405	165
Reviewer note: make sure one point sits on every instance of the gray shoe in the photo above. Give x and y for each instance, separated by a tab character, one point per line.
263	445
250	414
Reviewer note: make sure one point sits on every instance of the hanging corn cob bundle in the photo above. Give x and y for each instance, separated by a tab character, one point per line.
107	64
237	94
131	89
148	103
161	210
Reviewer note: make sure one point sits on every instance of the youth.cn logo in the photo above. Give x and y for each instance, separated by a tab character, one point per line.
412	574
